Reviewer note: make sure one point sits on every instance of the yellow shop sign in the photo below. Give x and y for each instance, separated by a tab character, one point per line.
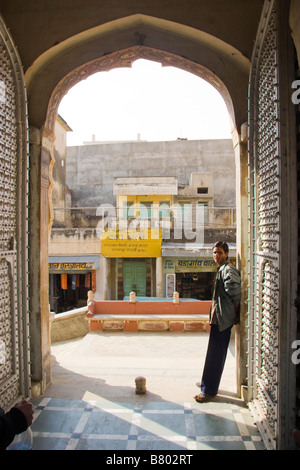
195	265
144	244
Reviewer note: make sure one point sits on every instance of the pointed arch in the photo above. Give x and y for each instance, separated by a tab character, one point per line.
118	44
126	39
125	58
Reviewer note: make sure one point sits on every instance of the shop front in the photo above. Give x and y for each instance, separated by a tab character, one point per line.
192	278
189	275
70	279
132	260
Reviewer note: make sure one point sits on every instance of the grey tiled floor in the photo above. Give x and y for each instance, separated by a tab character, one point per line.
92	404
62	424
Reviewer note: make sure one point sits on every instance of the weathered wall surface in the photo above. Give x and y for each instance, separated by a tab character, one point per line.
91	169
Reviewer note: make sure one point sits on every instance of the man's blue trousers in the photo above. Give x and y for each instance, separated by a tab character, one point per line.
215	359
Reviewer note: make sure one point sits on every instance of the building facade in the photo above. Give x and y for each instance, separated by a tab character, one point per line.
146	232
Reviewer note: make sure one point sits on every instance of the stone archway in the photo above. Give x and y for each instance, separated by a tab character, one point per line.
42	139
125	58
104	41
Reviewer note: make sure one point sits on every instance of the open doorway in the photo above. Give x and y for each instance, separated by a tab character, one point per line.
195	285
83	196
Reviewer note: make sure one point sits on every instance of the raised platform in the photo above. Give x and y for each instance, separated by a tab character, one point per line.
156	315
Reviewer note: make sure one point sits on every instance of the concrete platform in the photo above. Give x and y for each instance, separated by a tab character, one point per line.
92	403
107	363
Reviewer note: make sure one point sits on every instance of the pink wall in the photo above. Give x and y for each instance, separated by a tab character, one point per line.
119	307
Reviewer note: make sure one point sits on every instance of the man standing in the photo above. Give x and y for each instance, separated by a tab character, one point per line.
224	314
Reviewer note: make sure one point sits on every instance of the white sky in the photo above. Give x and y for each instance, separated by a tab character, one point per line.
159	103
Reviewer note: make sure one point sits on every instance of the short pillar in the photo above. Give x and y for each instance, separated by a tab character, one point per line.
90	297
140	385
176	298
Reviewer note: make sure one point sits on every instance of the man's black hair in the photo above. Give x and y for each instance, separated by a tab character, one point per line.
222	245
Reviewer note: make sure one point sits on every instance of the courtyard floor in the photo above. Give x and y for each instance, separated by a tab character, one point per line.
92	405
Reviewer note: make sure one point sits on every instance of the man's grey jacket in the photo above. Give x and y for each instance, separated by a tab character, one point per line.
227	294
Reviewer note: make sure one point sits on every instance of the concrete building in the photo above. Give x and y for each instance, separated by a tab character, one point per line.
73	262
250	52
190	210
179	158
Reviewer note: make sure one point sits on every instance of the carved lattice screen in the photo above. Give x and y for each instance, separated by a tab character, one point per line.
265	225
13	241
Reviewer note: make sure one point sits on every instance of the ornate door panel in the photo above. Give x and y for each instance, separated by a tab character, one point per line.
272	221
14	356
